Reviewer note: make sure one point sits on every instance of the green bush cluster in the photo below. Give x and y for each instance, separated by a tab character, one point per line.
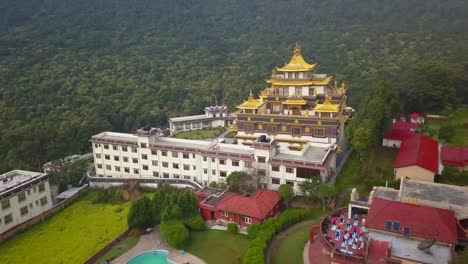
109	195
176	210
233	228
174	233
262	234
194	223
452	175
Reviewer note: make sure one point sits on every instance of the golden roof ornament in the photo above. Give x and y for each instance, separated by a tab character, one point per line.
297	49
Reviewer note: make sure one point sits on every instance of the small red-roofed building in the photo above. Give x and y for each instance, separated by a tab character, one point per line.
243	210
400	131
417	118
417	159
457	157
247	210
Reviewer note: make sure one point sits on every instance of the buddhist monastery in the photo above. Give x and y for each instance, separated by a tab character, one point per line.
299	107
290	133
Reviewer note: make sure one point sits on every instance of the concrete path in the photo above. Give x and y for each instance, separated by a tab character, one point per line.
305	254
242	230
148	242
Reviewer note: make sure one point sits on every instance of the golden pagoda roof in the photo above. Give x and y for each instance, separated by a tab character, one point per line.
295	101
251	103
327	106
284	82
297	63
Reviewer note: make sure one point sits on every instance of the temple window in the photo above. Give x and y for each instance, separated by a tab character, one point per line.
311	91
249	128
277	108
271	129
296	131
319	132
298	91
325	114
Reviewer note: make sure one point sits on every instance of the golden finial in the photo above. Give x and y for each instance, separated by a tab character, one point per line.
273	73
336	84
251	94
297	49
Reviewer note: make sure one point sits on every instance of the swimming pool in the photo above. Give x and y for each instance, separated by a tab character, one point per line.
153	257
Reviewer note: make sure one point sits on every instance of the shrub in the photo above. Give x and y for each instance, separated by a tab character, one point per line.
264	233
234	179
174	233
214	184
233	228
286	191
140	214
194	223
188	203
109	195
253	230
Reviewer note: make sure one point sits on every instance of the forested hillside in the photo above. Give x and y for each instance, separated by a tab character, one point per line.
72	68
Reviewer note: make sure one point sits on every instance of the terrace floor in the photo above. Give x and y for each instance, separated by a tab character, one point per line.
341	237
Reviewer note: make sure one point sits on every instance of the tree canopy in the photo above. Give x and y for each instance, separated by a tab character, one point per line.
73	68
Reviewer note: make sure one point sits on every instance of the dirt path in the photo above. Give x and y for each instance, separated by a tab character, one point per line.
274	242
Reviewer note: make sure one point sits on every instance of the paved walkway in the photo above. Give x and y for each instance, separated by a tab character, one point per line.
274	242
148	242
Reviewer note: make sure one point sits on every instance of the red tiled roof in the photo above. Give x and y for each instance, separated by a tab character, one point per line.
378	250
401	130
454	156
418	150
416	115
258	205
424	222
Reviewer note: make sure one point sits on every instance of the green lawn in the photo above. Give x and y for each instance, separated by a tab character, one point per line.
458	119
71	236
289	249
216	246
120	248
201	134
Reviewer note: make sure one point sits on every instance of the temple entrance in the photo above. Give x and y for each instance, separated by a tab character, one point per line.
308	174
296	111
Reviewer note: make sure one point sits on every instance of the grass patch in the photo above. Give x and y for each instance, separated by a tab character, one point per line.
457	119
201	134
289	249
217	246
71	236
363	175
120	248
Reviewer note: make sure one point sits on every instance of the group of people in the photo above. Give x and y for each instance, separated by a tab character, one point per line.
349	234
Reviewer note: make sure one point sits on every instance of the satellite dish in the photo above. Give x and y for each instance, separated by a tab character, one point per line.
426	245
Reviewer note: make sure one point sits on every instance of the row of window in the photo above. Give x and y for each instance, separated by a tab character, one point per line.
22	196
295	131
277	181
234	163
394	226
7	219
277	168
245	219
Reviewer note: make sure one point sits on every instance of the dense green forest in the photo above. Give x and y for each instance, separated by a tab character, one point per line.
72	68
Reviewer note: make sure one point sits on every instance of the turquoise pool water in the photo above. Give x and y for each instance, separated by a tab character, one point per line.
153	257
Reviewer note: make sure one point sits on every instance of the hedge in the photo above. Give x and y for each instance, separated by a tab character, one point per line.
264	233
174	233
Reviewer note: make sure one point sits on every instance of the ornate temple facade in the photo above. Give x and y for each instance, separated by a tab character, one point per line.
299	108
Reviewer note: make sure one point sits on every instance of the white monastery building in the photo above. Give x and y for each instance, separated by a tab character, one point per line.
23	195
